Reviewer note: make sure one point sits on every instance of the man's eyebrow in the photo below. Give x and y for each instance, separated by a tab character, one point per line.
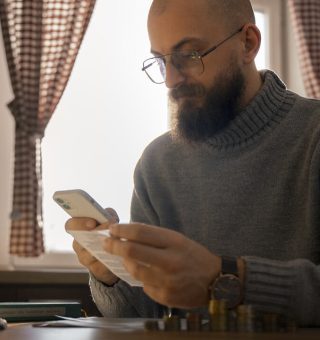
180	44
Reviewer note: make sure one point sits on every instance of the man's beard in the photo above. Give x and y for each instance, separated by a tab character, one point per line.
194	123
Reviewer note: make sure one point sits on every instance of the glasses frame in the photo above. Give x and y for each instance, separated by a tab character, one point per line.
194	54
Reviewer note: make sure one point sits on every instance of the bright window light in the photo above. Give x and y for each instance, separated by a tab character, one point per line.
262	61
109	112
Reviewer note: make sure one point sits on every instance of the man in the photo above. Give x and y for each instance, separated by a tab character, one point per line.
232	189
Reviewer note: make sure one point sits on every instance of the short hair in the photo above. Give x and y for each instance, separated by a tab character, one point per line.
232	13
158	6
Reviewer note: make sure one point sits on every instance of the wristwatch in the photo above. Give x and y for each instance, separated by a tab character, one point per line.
227	285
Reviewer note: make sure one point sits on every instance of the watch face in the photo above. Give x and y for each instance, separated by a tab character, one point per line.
228	287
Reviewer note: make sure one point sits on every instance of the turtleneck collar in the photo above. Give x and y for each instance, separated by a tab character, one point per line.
264	112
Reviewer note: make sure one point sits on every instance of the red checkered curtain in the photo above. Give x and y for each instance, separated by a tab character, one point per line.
42	39
305	15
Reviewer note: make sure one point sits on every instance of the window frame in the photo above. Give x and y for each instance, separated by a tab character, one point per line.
68	260
273	9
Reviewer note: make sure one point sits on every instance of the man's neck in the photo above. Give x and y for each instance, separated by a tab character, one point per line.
253	85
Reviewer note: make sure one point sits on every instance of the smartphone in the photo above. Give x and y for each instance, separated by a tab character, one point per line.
78	203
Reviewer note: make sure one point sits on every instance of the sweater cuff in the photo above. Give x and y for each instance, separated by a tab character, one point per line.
269	285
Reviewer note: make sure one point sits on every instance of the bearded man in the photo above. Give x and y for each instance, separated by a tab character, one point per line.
226	204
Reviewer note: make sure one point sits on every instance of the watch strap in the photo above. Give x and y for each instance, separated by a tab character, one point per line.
229	265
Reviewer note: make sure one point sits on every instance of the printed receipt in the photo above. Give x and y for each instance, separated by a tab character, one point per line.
92	241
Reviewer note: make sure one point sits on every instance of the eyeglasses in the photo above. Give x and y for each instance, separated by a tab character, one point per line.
186	62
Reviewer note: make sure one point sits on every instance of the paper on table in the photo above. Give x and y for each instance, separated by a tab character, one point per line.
92	241
113	324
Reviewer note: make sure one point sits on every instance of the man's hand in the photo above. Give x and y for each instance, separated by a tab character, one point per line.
98	270
175	270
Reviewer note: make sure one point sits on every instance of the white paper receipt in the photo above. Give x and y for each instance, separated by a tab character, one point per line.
92	241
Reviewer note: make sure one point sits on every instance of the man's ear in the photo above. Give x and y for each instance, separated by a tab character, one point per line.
252	40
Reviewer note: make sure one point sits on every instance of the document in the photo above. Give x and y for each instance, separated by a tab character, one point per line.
92	241
112	324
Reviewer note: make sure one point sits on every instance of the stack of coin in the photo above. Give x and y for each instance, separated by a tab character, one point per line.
194	321
258	322
271	322
232	321
172	323
245	318
290	324
151	325
218	315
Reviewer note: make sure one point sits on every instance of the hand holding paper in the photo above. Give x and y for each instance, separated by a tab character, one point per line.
92	241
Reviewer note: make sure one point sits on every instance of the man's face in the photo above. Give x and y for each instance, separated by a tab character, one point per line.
205	111
204	103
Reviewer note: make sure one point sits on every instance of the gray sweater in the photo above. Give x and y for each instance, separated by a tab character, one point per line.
253	192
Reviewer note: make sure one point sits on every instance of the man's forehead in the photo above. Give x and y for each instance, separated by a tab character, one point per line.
176	24
188	8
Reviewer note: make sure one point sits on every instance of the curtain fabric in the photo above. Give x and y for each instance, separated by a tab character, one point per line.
305	16
41	39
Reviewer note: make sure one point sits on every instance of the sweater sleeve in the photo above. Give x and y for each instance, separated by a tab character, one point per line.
123	301
291	288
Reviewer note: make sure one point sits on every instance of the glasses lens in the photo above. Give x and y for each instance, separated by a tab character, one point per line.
155	69
187	63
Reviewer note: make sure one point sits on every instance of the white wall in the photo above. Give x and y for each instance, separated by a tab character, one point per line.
6	158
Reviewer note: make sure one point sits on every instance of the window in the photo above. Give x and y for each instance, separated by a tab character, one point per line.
262	60
268	16
108	114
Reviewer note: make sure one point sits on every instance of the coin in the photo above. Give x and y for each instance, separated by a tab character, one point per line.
151	325
194	321
172	323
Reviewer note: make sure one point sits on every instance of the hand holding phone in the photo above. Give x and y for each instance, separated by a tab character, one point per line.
77	203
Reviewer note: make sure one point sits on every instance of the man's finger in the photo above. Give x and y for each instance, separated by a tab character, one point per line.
145	234
77	247
113	214
146	254
80	223
85	258
145	273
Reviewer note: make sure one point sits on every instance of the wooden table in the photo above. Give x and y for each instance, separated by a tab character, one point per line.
27	332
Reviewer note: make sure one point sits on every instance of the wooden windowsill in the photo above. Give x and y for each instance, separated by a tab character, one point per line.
52	276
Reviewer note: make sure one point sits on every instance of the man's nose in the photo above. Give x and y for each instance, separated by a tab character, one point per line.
174	77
